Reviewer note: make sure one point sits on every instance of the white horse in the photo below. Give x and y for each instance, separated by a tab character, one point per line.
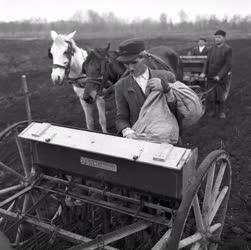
68	59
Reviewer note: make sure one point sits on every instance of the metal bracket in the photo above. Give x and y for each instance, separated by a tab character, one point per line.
162	153
138	154
43	127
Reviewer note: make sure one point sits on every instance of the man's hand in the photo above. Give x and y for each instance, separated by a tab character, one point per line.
156	84
128	133
131	136
217	78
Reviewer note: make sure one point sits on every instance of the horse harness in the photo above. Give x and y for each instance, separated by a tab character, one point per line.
78	81
157	60
101	80
105	60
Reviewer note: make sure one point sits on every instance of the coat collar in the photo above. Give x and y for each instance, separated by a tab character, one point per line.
132	82
135	91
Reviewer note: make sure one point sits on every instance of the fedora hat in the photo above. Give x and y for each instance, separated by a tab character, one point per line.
130	49
220	33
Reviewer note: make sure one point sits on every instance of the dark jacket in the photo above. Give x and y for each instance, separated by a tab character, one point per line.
219	62
196	51
130	98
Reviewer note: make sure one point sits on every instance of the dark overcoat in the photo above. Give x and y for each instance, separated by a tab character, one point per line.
219	63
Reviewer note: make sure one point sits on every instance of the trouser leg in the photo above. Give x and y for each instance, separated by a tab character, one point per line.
221	107
212	103
221	99
221	112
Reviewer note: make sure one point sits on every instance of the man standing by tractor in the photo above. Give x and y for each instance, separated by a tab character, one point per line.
218	72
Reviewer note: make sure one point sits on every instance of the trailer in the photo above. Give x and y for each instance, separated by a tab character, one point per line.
69	188
190	68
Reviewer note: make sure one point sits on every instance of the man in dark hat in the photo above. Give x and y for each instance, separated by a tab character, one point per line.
130	91
218	72
201	48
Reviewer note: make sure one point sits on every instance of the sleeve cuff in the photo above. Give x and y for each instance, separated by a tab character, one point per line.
165	86
127	131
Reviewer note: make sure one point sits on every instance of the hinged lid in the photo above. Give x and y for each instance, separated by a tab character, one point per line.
162	155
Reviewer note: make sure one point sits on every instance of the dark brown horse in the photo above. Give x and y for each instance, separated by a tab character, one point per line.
103	69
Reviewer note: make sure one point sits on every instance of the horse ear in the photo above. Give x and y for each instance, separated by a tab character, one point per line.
54	34
71	35
88	49
108	47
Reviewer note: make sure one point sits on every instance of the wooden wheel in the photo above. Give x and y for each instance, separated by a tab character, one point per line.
15	168
17	196
200	218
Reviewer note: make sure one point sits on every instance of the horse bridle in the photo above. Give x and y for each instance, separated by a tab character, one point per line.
69	53
100	80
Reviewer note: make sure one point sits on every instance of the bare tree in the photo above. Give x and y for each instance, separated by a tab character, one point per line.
91	23
163	19
183	16
78	16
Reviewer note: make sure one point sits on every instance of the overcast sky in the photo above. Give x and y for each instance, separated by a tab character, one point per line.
11	10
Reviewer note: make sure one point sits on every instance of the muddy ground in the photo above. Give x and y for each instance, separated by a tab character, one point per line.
60	105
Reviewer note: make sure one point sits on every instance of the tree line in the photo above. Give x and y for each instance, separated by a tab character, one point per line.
92	25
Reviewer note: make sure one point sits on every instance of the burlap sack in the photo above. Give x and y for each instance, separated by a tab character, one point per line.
156	122
189	106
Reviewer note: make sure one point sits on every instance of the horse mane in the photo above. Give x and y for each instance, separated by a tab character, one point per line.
116	67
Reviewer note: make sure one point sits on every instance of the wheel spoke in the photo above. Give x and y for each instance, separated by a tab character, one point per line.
22	156
217	204
15	196
57	213
211	175
160	244
198	216
8	209
196	237
208	192
34	201
196	246
12	171
12	188
217	184
20	227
